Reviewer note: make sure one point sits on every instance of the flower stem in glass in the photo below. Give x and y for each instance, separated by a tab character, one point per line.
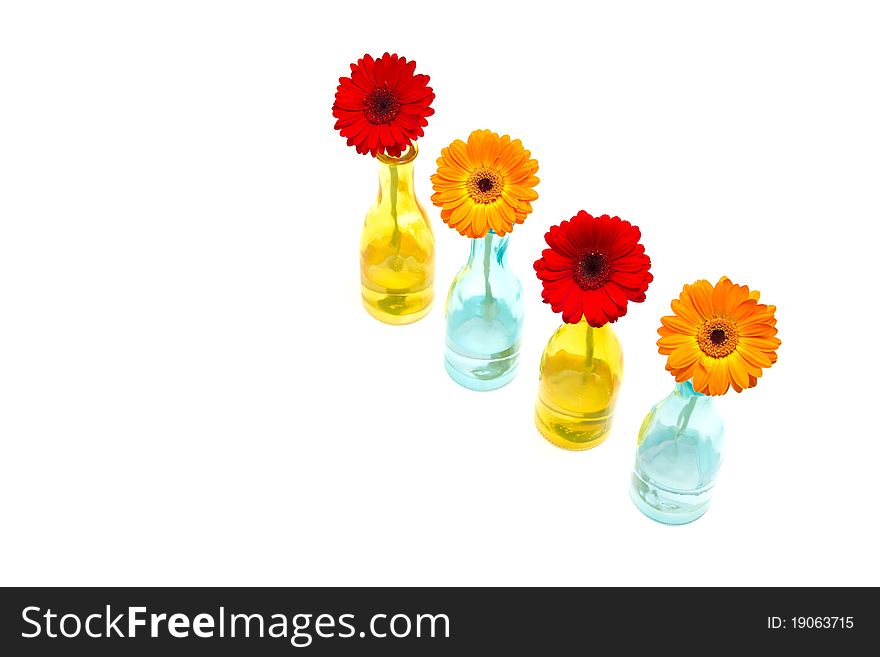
487	257
395	235
684	417
590	346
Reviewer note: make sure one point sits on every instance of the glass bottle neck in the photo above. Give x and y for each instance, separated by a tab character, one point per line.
395	180
491	247
686	390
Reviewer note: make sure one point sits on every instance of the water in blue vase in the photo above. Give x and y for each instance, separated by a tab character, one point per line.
679	455
484	317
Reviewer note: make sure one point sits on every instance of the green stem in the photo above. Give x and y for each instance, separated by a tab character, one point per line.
486	263
590	346
684	417
395	235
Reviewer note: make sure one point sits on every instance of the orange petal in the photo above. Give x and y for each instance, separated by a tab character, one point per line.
461	214
479	224
520	192
447	195
739	371
701	296
686	311
757	330
512	156
679	325
701	377
744	310
475	147
719	377
458	153
674	340
491	148
450	174
683	356
764	344
753	356
501	215
450	205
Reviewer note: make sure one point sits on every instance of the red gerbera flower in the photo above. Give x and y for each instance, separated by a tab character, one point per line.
382	107
593	268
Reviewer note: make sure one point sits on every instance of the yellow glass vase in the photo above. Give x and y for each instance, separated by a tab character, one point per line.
397	247
581	371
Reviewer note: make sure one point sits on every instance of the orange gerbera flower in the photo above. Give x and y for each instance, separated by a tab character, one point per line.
486	183
719	336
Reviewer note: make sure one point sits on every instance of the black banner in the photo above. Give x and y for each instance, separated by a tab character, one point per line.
416	621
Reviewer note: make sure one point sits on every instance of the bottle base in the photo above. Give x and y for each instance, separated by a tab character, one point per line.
574	433
665	506
395	309
482	376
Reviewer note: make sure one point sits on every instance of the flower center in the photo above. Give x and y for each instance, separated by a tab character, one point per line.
484	185
381	106
718	337
592	270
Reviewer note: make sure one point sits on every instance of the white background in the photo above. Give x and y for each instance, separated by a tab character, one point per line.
191	393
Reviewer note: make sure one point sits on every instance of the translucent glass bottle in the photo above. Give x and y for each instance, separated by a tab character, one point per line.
679	454
397	247
484	318
581	371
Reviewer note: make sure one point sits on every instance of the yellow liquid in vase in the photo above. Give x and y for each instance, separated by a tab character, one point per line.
581	371
397	248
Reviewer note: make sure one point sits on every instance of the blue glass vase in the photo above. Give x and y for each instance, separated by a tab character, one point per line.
679	454
484	318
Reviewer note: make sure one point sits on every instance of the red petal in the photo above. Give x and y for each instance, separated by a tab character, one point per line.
555	261
573	309
593	309
558	240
